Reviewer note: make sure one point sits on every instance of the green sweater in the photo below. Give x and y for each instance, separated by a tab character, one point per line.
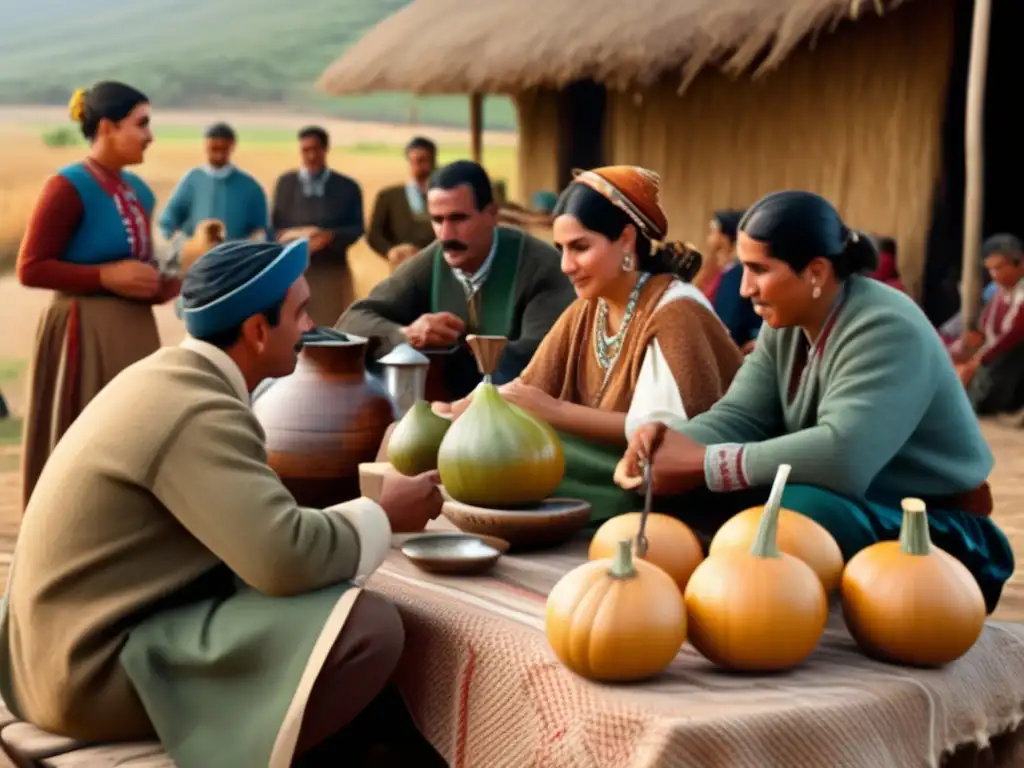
881	415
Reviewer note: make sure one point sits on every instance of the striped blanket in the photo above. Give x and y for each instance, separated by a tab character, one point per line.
485	689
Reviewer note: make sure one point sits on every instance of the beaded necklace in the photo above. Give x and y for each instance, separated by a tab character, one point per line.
607	348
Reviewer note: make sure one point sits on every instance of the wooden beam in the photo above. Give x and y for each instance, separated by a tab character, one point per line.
476	126
974	158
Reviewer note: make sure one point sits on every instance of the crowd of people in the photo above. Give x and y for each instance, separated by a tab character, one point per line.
164	575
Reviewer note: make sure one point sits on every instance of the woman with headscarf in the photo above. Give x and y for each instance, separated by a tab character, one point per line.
89	241
851	386
640	342
734	309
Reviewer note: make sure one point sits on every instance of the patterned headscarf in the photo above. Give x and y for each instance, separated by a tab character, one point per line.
634	190
637	193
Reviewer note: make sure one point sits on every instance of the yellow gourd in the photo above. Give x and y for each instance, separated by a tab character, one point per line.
672	546
798	536
910	602
756	610
617	619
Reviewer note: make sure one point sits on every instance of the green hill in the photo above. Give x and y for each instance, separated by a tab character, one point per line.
198	53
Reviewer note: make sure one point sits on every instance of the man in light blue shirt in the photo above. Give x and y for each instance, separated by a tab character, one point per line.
217	190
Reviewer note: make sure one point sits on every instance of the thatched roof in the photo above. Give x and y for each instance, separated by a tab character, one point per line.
507	46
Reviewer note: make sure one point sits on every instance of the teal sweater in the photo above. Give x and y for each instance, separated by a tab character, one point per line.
882	415
237	200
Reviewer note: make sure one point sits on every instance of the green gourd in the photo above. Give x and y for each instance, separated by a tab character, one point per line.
496	454
416	439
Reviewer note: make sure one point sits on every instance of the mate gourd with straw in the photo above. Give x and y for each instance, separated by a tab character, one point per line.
672	546
757	609
496	454
797	535
910	602
617	619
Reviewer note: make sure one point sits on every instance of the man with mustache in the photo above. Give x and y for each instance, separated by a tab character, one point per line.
477	278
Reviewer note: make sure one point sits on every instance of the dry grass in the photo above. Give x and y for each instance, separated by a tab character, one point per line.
373	157
26	162
506	46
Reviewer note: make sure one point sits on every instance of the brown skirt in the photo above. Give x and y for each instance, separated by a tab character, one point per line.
81	344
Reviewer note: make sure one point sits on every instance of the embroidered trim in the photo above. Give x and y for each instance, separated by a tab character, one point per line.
723	468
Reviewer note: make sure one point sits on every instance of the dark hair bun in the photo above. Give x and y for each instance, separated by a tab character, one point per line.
679	259
859	255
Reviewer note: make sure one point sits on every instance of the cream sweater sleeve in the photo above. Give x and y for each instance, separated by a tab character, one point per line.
214	478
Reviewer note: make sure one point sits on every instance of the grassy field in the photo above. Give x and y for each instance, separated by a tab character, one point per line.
371	154
205	52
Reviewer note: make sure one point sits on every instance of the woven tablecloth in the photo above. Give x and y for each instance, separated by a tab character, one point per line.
486	690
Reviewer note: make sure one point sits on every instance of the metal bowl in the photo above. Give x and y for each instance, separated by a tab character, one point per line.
454	553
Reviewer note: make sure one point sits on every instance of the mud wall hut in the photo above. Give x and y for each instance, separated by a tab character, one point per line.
726	99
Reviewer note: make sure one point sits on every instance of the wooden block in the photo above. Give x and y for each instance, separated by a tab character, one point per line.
371	478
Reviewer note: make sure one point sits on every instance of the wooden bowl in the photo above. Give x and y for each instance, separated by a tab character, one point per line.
547	524
454	553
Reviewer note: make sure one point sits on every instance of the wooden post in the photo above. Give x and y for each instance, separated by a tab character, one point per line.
974	158
476	126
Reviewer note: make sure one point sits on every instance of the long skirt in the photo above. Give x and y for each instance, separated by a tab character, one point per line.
81	344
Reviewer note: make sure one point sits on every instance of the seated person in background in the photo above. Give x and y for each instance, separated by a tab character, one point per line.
639	343
851	386
167	584
888	270
734	309
991	359
952	330
478	278
400	225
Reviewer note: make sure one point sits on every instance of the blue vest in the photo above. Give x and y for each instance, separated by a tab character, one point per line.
101	236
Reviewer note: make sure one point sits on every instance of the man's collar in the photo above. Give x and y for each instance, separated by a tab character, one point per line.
223	362
477	278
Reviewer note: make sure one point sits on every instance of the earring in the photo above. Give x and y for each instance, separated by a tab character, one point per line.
816	292
627	262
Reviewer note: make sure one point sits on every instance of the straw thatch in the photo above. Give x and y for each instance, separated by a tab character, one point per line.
507	46
857	121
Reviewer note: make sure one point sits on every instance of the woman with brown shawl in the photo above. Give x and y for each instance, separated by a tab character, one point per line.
640	341
89	240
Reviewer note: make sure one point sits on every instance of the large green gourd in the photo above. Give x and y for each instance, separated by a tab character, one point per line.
416	439
496	454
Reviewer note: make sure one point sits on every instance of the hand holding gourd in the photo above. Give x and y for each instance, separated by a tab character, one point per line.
530	398
411	502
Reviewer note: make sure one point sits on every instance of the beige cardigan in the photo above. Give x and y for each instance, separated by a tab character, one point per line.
161	479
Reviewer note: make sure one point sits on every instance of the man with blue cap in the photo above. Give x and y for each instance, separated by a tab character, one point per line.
167	583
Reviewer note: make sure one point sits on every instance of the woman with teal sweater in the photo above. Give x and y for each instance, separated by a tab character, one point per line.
851	386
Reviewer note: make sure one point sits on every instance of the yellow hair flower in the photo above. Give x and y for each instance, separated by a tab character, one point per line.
76	107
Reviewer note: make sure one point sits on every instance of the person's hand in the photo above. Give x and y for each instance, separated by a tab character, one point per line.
971	340
434	329
320	239
530	398
968	370
131	278
677	462
747	348
452	410
411	502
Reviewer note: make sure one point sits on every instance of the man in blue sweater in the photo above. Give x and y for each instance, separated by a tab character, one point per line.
217	190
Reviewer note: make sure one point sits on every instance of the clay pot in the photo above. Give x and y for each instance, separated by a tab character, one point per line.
325	419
